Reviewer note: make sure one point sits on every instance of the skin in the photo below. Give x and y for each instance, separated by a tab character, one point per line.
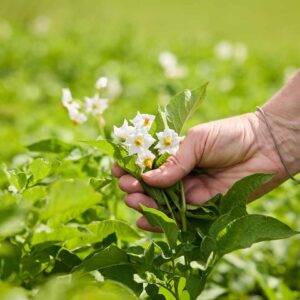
225	151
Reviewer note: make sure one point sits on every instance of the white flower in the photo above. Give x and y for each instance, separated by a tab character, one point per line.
224	50
240	52
122	133
170	65
102	83
168	141
114	88
77	117
96	105
143	121
66	97
167	59
139	141
145	159
176	72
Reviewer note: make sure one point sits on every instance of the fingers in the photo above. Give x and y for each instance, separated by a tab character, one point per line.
129	184
202	188
134	200
179	165
117	171
144	224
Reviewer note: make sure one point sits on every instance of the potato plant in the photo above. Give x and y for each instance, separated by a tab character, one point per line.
64	234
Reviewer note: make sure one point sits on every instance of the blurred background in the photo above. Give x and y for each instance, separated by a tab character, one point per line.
245	49
150	50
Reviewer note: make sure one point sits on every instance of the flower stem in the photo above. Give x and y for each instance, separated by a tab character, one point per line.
169	207
183	208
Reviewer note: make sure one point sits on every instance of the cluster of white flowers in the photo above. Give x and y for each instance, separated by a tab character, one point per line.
79	110
169	63
138	141
226	50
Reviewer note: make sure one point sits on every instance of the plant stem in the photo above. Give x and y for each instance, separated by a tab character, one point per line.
169	207
183	208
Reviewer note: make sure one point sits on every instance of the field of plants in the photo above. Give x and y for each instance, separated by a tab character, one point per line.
65	231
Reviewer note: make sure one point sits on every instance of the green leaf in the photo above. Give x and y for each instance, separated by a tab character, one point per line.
54	234
16	178
250	229
68	199
182	107
108	290
235	213
125	275
241	190
35	193
168	225
12	220
98	231
208	246
103	145
98	184
51	145
72	288
161	160
110	256
40	169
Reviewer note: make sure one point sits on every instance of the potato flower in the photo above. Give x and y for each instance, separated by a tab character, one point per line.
66	97
168	142
96	105
102	83
139	141
145	159
122	133
143	121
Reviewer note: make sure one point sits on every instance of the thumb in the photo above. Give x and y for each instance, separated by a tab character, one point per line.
178	166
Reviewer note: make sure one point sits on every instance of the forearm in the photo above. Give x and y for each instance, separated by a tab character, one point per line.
283	113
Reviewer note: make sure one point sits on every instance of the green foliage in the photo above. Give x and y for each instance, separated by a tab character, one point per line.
159	219
61	213
183	106
68	198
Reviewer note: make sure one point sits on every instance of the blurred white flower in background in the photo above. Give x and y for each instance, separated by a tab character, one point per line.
66	97
5	29
75	113
168	141
110	86
145	159
289	72
41	25
226	50
96	105
101	83
240	52
169	63
74	107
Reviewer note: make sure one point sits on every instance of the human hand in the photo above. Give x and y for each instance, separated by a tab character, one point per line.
224	150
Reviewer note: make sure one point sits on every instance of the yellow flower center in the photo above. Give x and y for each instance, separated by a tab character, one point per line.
148	163
138	141
167	141
146	122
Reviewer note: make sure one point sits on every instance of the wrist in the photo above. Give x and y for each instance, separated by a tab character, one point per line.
283	115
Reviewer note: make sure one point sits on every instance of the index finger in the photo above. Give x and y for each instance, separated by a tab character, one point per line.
117	171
